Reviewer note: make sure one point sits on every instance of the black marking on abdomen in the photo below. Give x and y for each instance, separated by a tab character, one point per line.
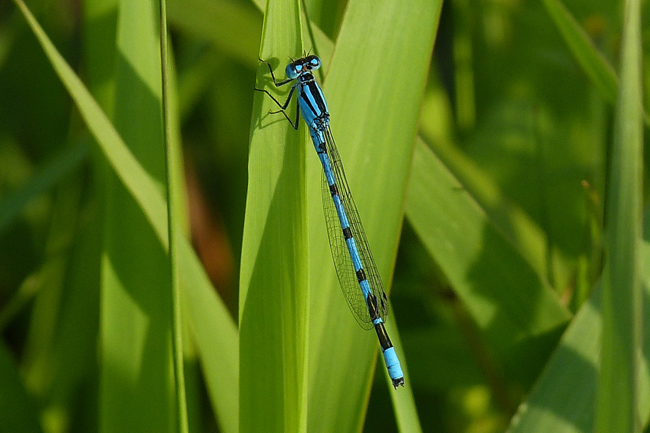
384	341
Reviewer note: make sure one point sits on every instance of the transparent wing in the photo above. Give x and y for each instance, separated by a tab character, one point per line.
340	254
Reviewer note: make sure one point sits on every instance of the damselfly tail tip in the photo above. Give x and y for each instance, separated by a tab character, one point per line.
398	382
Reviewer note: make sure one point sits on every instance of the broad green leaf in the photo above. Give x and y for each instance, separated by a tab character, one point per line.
373	97
273	306
516	311
618	383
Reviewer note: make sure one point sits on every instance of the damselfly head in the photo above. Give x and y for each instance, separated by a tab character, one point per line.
301	66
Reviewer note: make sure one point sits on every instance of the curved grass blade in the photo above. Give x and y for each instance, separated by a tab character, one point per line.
221	331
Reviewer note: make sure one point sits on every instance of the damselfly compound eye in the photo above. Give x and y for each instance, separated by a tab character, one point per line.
314	62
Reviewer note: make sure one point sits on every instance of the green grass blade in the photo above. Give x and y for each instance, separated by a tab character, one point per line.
599	71
233	27
100	23
563	399
374	98
216	338
138	181
510	219
174	204
220	366
135	303
406	414
318	42
519	314
46	178
17	414
74	358
618	388
50	292
274	277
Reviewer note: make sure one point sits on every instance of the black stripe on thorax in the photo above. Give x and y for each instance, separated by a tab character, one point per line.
305	97
316	93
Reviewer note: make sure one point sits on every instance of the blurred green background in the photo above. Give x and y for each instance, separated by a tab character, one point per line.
507	109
